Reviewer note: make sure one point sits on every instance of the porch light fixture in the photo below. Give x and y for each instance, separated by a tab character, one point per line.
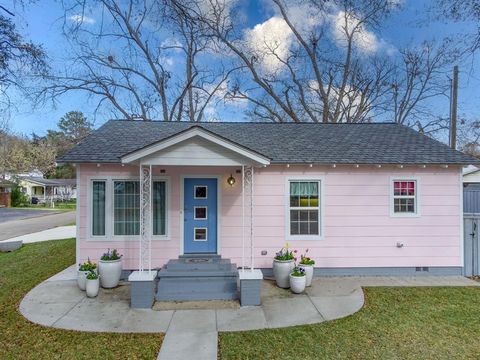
231	180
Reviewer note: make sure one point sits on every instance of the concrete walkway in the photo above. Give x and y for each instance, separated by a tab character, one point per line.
193	334
58	233
15	228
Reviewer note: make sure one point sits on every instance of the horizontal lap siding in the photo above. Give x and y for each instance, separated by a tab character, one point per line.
359	231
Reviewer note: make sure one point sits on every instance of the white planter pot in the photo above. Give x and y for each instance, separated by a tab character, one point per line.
110	272
281	271
308	273
297	283
82	278
92	287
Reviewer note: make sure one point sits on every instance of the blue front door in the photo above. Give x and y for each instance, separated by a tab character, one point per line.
200	216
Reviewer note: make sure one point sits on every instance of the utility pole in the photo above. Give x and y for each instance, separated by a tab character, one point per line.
453	119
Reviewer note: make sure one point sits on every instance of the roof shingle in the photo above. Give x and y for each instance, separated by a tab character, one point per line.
369	143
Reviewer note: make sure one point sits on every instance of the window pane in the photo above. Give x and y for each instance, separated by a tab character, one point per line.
200	234
304	228
293	227
98	206
294	201
294	215
158	207
126	208
200	192
200	213
304	215
313	228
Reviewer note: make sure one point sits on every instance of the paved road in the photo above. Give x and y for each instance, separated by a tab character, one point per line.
45	221
8	214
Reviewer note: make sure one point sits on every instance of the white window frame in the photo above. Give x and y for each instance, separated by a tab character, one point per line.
200	228
392	197
321	208
195	212
195	192
109	209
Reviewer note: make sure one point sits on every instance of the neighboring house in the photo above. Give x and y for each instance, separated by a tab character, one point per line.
5	191
46	190
363	198
471	190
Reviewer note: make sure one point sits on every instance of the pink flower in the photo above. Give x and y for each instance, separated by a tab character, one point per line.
295	251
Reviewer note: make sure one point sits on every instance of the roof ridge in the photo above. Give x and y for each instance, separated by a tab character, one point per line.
252	122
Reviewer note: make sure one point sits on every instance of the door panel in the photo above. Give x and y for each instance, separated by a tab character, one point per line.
200	215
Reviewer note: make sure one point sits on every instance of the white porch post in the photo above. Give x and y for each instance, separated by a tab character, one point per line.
142	290
145	248
247	190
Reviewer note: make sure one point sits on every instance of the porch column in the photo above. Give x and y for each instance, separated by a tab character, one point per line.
145	248
247	214
142	291
250	280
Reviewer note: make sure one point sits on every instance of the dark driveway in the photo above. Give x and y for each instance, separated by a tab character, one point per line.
7	214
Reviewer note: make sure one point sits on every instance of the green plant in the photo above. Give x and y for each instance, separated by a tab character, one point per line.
298	271
92	275
284	254
87	266
110	256
305	260
19	198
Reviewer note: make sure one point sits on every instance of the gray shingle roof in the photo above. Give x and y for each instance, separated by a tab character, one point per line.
373	143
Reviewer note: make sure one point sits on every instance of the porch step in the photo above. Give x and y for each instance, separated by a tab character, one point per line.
197	278
194	264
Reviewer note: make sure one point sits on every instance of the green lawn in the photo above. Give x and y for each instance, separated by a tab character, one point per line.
396	323
20	339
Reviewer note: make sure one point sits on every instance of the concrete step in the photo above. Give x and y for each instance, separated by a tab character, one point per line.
192	264
197	278
197	288
210	256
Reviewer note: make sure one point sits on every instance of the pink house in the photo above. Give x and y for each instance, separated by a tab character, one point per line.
363	198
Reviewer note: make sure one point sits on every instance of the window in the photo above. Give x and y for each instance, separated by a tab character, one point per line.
200	234
159	208
405	196
126	208
116	208
304	209
200	213
200	192
98	208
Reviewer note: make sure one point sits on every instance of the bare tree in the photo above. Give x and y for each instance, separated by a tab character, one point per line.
154	69
461	11
421	75
313	78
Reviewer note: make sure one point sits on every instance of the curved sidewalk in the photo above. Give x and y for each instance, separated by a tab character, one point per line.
59	303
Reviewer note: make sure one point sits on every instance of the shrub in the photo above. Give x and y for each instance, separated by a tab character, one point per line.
19	198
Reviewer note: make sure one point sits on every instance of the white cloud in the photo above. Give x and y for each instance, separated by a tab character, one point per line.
82	19
268	38
345	24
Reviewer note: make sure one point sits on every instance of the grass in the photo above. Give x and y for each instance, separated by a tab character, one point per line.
20	339
396	323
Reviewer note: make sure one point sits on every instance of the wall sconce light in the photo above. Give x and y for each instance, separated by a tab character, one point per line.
231	180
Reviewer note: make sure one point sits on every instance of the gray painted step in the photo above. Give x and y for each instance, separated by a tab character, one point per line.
194	264
190	256
212	279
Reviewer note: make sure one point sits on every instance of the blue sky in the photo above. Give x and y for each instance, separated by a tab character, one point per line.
42	22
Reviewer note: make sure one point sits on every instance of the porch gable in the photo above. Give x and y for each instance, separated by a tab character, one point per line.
195	146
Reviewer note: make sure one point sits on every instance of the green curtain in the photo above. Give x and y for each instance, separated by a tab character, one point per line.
303	188
159	218
98	215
